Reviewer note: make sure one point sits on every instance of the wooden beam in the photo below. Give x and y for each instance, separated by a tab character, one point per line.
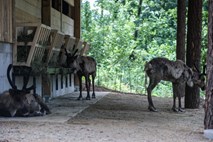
77	19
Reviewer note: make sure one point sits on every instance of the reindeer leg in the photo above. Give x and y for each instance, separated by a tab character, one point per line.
177	91
180	109
152	84
80	87
181	92
93	86
44	107
175	88
89	83
174	104
88	87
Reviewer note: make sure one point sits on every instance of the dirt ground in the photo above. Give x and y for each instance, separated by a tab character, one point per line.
113	117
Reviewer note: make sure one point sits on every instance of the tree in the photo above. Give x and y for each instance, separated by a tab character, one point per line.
181	34
193	52
208	120
112	40
181	24
138	15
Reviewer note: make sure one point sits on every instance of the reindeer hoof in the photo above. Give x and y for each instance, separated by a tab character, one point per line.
178	109
175	109
87	98
93	96
152	108
181	110
48	112
80	98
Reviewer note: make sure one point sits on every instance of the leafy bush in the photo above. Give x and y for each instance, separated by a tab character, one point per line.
123	41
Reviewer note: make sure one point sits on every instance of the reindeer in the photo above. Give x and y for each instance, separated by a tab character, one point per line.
176	72
17	102
83	66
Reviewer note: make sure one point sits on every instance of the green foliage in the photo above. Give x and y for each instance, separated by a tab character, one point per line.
111	26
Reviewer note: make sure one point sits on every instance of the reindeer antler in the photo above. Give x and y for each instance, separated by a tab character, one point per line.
69	54
9	78
196	68
74	54
26	79
65	49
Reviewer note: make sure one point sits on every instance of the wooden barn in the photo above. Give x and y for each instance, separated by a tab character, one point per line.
33	33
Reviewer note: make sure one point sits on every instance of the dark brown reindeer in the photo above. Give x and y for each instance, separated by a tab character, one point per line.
176	72
83	66
20	102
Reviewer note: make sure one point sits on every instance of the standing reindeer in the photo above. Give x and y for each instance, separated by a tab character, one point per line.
176	72
17	102
83	66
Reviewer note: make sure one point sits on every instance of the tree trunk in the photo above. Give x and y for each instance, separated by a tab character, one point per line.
138	15
208	120
181	34
193	52
181	24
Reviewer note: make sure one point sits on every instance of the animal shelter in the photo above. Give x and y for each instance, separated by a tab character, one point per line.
33	34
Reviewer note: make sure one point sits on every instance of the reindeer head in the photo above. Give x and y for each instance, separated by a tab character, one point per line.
199	78
70	61
18	97
193	76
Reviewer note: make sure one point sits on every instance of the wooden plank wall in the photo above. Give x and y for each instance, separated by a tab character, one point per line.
6	20
28	11
67	25
55	19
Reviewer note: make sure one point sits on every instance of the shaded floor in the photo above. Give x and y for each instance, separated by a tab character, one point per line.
111	117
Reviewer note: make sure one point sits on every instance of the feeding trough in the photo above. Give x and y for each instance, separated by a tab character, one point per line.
57	40
32	42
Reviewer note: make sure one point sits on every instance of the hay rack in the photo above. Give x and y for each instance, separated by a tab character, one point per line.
31	44
57	40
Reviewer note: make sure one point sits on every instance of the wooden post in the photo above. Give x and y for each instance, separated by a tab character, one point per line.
46	86
77	19
77	27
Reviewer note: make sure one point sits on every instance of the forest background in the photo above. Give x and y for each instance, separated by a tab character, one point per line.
125	34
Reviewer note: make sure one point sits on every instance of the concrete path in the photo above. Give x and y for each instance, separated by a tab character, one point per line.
63	108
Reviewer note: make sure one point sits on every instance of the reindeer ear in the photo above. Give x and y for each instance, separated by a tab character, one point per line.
190	71
196	68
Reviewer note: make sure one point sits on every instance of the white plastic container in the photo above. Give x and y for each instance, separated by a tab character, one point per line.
208	133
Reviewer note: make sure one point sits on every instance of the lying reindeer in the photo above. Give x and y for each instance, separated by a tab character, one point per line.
176	72
17	102
83	66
